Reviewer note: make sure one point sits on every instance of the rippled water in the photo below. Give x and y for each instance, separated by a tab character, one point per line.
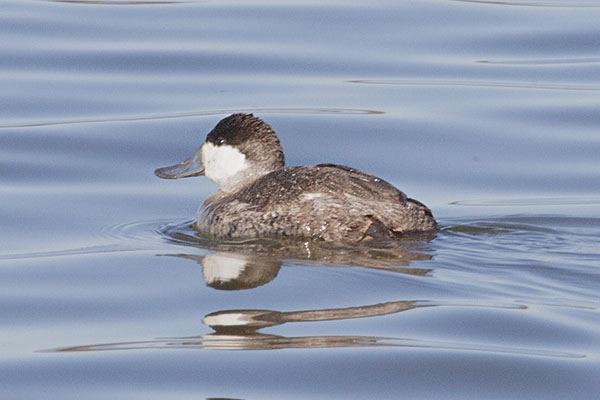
486	111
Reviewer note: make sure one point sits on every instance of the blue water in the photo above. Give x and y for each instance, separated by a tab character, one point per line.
485	111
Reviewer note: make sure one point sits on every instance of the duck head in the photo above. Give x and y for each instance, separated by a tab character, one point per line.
240	149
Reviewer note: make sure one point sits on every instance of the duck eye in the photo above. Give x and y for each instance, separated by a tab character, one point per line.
220	140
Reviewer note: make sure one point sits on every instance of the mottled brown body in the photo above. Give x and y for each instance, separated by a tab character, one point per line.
326	201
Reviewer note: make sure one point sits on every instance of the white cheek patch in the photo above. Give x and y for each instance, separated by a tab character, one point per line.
222	162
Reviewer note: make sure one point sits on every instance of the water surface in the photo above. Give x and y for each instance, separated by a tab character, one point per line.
485	111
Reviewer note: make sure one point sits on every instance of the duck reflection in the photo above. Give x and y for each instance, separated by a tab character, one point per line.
249	264
238	330
243	322
238	271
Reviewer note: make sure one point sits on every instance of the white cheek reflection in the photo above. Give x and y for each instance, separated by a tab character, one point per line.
226	319
221	268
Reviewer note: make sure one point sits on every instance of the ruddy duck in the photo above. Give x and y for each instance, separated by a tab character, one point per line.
260	197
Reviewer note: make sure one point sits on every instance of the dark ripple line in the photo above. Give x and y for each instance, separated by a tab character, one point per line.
547	4
269	342
130	237
335	111
474	83
531	202
122	2
70	252
544	61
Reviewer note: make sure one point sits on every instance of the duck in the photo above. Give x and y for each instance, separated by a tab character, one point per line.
260	197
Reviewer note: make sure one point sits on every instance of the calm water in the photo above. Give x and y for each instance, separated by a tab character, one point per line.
486	111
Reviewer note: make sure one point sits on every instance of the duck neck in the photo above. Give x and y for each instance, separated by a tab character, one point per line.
244	178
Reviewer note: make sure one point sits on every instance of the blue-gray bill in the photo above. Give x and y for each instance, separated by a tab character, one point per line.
185	169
